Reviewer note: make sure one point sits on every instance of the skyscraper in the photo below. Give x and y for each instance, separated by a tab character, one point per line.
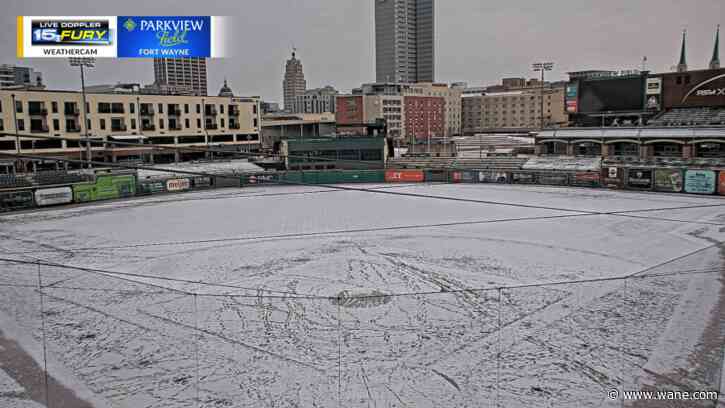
405	40
294	83
181	75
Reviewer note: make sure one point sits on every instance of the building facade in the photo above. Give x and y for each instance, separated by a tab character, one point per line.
514	110
405	41
182	76
452	98
318	100
16	76
50	123
294	83
424	117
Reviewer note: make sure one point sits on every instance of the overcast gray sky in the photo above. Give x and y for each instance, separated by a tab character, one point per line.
478	41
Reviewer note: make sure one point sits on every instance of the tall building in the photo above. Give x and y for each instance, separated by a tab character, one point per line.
183	76
405	40
15	76
294	83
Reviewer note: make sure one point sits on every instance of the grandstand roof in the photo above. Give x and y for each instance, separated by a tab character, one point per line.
641	132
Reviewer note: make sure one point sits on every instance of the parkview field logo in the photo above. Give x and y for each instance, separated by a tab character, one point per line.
164	36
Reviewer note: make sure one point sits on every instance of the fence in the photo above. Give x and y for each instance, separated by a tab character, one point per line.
138	341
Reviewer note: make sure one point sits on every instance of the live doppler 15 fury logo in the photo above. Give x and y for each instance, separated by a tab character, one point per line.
63	32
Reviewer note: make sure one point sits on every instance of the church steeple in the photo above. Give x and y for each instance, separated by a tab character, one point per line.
682	66
715	61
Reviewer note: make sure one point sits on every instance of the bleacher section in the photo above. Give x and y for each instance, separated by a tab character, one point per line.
690	117
564	163
481	145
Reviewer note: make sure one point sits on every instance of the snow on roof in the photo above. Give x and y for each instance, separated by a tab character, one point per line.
215	167
646	132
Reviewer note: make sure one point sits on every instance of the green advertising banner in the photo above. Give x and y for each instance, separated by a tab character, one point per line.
700	181
669	180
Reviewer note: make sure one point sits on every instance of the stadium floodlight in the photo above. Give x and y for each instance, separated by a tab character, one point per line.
542	67
81	62
89	62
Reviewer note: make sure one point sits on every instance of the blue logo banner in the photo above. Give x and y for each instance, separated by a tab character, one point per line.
164	36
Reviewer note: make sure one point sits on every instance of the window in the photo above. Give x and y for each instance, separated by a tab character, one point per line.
198	122
54	107
21	125
56	122
222	122
88	124
116	108
2	125
161	123
18	107
186	109
198	108
133	123
186	122
103	124
132	108
221	109
88	108
1	106
161	108
255	122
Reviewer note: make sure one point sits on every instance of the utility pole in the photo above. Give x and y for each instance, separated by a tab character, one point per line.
542	67
82	62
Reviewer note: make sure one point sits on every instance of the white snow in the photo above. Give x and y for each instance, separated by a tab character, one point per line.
564	345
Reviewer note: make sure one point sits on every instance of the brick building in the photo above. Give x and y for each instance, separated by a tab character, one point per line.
424	117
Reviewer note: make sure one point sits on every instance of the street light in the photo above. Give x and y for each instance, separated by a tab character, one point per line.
82	62
542	67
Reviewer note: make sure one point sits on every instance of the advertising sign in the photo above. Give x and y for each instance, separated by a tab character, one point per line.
669	180
178	184
640	179
612	177
414	176
53	196
553	179
721	179
700	181
493	176
572	96
654	86
15	200
121	36
200	182
585	179
523	178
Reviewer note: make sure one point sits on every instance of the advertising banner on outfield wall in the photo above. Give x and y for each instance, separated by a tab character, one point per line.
640	179
122	36
669	180
721	184
613	177
53	196
700	181
178	184
586	179
492	176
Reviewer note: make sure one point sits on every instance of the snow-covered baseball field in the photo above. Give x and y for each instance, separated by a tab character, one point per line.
402	296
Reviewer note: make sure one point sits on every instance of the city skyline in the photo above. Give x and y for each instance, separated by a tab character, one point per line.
472	42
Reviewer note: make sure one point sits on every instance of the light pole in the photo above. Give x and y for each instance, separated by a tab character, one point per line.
82	62
542	67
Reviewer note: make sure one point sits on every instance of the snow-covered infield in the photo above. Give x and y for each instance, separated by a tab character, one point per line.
316	297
